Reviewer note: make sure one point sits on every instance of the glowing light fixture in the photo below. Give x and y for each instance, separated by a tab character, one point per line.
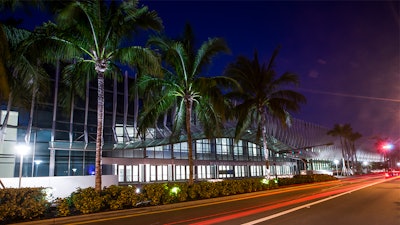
174	190
336	163
265	181
22	150
387	146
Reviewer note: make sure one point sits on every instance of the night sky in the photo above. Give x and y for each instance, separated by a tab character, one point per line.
347	54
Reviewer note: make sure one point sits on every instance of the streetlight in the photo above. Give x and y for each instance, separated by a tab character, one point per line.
74	171
37	163
22	150
386	148
365	164
336	163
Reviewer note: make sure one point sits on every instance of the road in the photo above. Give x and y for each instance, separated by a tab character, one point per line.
366	200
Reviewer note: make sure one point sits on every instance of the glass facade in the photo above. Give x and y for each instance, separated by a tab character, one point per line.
62	143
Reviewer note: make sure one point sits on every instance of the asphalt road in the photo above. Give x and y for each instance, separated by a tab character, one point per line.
375	205
366	200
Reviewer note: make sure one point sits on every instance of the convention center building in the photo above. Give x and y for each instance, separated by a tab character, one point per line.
62	137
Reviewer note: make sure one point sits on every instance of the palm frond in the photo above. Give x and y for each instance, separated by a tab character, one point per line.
206	52
137	56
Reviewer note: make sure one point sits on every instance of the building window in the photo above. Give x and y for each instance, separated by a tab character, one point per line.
182	172
153	173
121	173
255	171
135	173
252	149
128	170
222	146
240	171
238	148
225	171
205	172
203	146
162	172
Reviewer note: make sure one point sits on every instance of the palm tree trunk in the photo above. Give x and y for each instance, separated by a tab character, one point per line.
265	147
344	170
100	121
114	114
29	128
348	156
135	104
188	104
85	126
126	107
71	120
5	122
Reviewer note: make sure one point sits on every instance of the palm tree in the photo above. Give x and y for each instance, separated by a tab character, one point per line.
14	79
99	33
9	33
184	86
4	55
353	137
347	141
263	93
28	68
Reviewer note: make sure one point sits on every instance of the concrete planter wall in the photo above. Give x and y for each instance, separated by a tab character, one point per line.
59	186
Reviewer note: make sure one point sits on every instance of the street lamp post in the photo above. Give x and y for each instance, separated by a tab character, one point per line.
336	163
22	150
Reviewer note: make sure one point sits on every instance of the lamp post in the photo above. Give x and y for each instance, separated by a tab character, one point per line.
37	163
22	150
336	163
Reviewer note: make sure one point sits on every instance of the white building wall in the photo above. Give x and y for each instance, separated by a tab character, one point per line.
59	187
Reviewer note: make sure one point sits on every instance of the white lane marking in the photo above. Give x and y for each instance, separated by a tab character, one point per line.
307	205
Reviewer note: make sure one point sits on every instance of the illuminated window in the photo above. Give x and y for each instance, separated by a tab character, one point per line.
121	173
238	148
252	149
135	173
225	171
203	146
222	146
255	171
204	172
128	170
181	147
162	172
153	173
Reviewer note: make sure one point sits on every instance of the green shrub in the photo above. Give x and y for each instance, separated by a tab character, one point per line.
87	200
155	193
182	195
122	197
194	191
111	198
63	206
22	204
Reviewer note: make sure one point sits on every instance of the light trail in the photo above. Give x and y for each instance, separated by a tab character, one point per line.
320	197
348	95
347	191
